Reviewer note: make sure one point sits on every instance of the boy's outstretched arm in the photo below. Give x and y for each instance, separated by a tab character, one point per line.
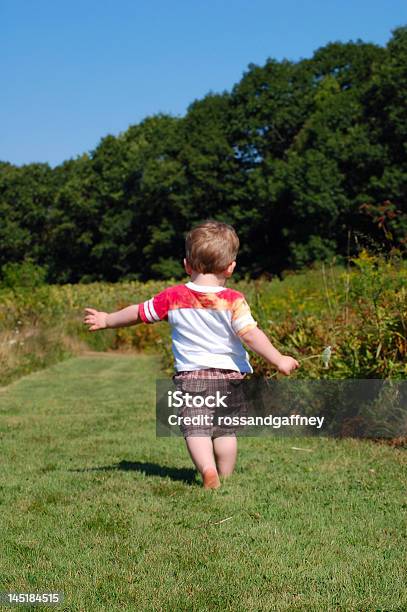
257	340
97	319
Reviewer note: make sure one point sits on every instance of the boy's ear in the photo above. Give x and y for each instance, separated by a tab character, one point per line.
229	270
187	267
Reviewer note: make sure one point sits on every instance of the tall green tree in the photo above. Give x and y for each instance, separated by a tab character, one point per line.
297	156
26	195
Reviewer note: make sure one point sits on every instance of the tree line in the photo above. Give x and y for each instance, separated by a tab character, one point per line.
298	156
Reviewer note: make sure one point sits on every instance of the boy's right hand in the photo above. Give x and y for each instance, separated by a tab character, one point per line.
287	364
95	319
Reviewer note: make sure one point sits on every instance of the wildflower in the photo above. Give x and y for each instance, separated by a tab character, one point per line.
326	356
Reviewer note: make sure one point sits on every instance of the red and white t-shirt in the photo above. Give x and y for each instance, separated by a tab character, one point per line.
206	323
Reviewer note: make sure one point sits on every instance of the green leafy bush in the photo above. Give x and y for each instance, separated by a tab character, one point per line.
23	274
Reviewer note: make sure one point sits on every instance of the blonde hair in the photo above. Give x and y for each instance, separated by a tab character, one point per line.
211	246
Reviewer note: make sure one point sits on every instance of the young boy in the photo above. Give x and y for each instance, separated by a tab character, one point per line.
209	323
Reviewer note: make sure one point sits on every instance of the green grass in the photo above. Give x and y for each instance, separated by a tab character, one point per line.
93	505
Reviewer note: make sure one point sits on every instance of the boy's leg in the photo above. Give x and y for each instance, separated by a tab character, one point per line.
225	448
200	449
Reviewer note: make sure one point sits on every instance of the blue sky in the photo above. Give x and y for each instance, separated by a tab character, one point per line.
74	71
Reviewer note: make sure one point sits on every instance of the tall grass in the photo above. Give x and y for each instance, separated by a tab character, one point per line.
43	325
361	312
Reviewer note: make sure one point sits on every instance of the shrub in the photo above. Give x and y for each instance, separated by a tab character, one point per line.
23	274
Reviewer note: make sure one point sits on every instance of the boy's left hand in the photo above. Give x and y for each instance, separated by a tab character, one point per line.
287	364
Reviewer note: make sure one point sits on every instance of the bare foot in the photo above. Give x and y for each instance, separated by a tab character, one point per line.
211	479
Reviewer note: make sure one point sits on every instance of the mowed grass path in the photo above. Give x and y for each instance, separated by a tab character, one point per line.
93	505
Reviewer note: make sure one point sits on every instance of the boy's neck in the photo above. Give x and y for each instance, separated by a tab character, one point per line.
210	280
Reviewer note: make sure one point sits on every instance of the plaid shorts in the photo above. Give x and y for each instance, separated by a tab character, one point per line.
209	382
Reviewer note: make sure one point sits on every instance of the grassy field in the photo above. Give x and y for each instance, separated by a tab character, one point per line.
93	505
361	312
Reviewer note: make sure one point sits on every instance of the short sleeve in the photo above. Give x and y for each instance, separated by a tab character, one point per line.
242	319
155	309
